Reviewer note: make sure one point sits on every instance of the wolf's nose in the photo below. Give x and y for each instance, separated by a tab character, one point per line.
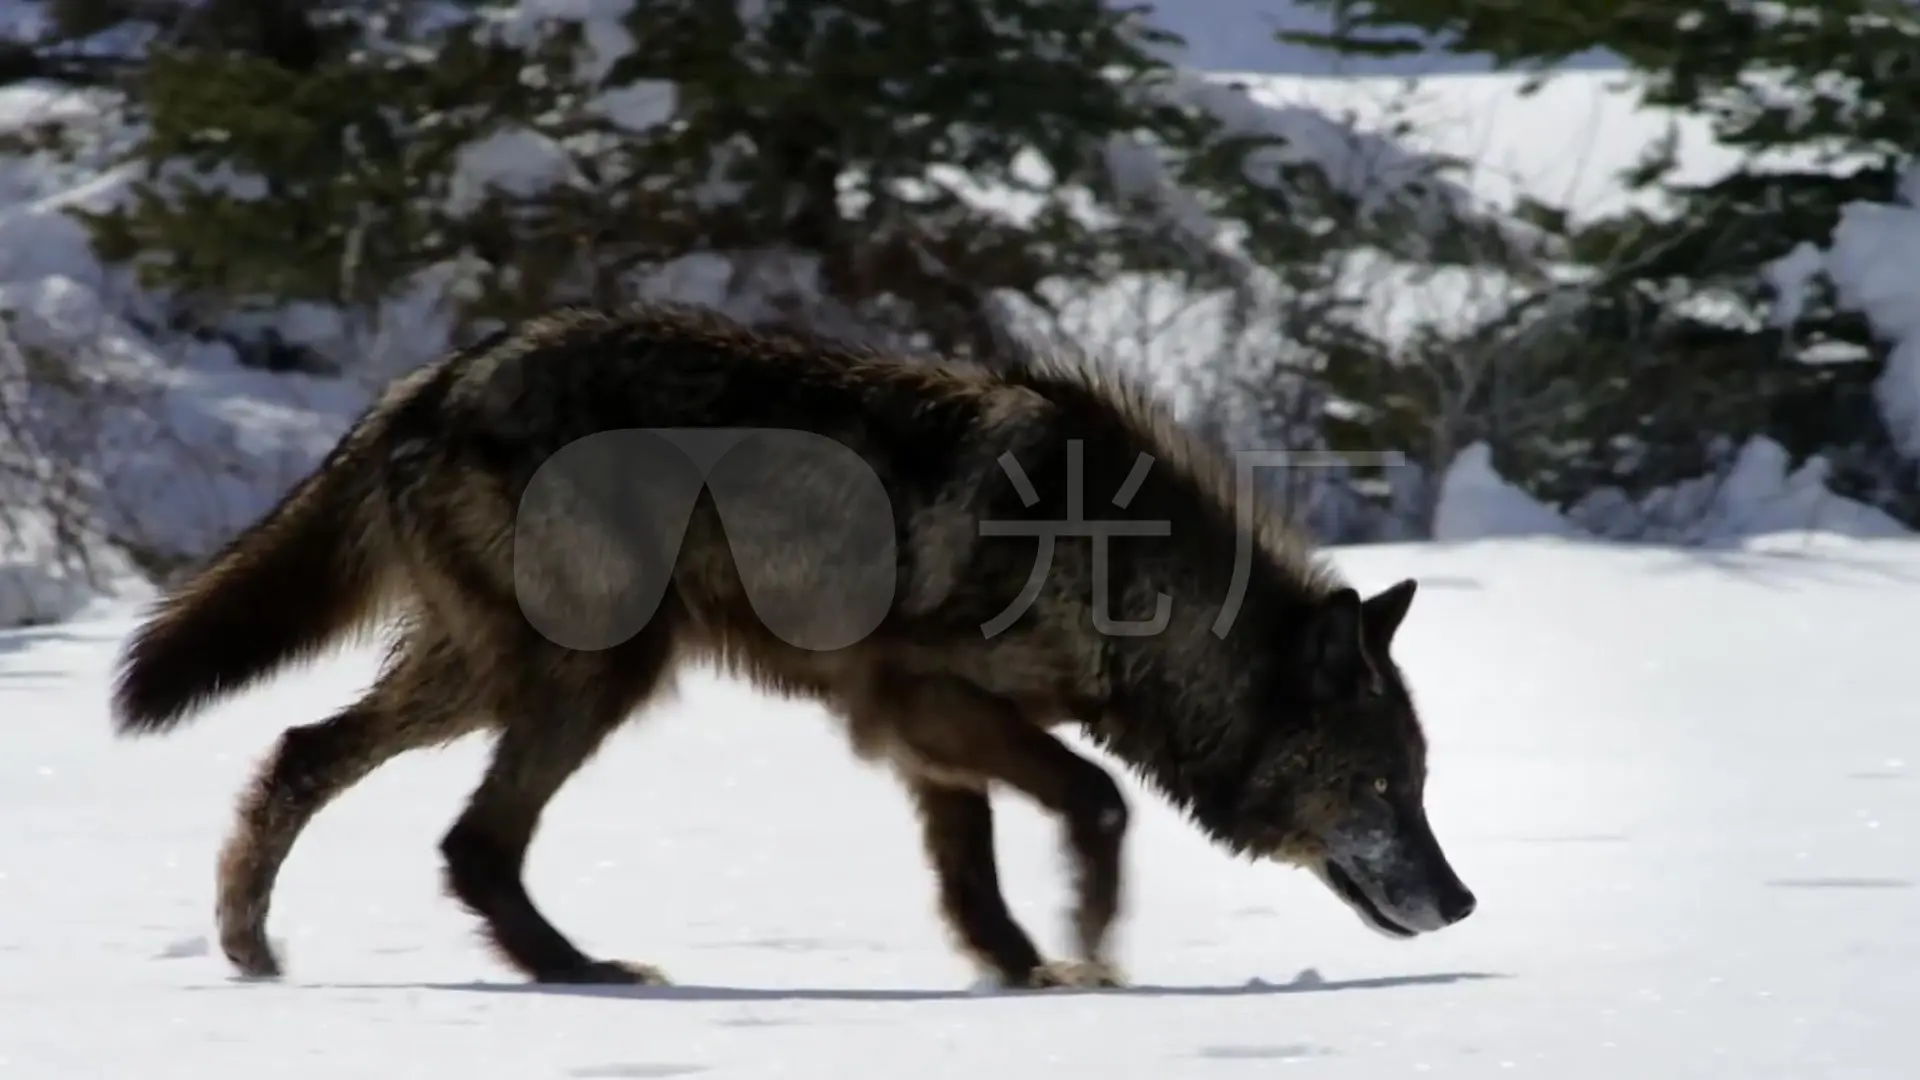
1456	904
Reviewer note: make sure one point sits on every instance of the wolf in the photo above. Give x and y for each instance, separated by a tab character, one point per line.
554	520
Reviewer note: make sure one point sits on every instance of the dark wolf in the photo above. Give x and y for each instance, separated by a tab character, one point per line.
554	519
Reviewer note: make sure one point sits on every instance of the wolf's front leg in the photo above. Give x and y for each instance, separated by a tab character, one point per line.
957	827
956	740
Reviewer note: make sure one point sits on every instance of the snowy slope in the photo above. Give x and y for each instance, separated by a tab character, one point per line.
1683	787
195	446
1237	35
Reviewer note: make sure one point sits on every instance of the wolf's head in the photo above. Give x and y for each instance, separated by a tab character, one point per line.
1335	770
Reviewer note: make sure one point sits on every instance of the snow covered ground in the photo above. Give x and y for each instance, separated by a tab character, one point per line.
1683	785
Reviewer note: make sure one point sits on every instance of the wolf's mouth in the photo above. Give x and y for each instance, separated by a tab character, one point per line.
1356	898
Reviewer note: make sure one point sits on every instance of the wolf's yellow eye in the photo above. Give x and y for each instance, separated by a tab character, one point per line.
1380	785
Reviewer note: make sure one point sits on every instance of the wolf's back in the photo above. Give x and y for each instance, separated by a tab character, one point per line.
304	575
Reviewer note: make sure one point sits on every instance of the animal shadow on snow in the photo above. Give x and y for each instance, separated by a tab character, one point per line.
694	993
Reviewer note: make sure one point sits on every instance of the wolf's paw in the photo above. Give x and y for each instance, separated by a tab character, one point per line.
1072	975
250	954
611	973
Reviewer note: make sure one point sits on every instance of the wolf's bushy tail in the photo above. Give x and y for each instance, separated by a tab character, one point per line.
301	577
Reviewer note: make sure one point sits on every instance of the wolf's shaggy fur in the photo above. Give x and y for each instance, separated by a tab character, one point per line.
1265	735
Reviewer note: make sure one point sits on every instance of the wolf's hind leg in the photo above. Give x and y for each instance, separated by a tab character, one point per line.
418	703
557	721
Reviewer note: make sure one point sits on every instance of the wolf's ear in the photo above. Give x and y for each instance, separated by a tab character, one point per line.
1383	612
1334	653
